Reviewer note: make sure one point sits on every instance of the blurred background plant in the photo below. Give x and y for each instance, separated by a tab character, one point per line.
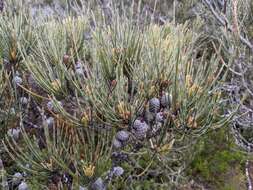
122	95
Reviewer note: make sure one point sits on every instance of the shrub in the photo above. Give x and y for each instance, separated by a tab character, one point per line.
110	103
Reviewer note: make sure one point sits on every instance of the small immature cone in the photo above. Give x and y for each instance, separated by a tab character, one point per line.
122	136
118	171
154	105
98	185
117	144
159	117
140	129
23	186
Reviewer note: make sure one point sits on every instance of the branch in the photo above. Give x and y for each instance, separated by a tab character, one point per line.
247	173
224	22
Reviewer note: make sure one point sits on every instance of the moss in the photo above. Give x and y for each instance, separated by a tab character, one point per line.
216	159
149	184
139	185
